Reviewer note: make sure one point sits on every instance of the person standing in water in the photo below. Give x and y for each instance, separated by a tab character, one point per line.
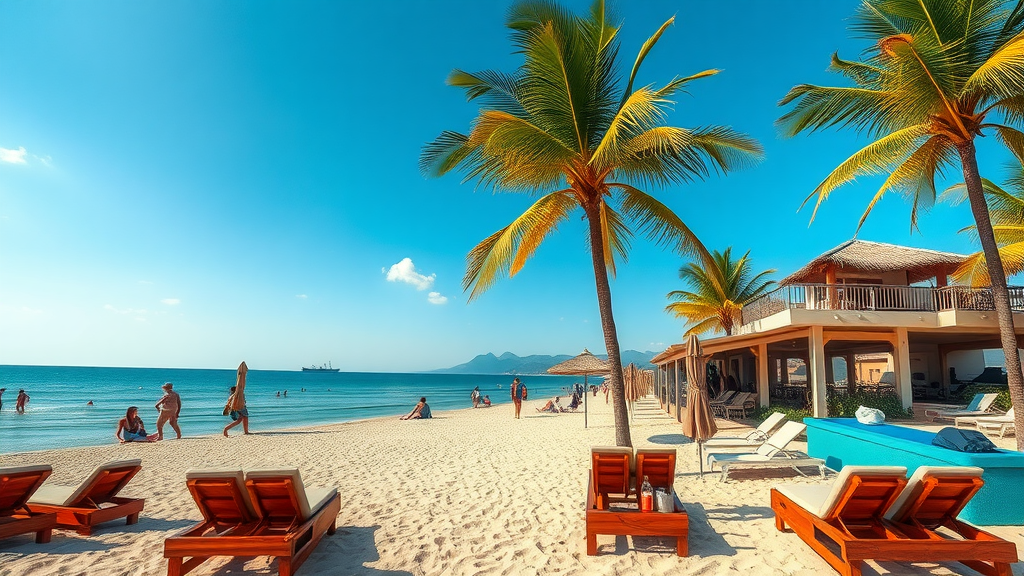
2	390
518	390
474	396
169	406
19	403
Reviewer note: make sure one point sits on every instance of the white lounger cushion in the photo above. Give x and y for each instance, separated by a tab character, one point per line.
309	499
54	495
755	438
821	499
912	491
227	474
22	469
981	407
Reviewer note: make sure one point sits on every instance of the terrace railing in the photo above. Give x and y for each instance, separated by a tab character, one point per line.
876	297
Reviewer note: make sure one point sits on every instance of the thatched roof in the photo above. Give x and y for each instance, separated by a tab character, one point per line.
877	257
585	363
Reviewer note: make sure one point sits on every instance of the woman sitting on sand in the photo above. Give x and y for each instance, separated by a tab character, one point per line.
552	406
131	429
420	411
487	402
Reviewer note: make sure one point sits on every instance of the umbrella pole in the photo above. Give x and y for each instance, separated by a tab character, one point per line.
585	391
700	456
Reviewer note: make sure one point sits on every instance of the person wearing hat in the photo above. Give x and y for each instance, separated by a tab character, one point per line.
169	406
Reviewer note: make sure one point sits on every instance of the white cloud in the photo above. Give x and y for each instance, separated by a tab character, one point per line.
13	156
170	301
436	298
301	296
405	271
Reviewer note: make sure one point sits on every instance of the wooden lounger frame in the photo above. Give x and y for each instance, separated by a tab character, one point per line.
15	517
632	522
228	529
856	530
97	509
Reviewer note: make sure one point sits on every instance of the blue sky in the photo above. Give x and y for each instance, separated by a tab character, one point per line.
190	184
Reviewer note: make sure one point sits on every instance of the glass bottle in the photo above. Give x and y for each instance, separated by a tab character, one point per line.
646	497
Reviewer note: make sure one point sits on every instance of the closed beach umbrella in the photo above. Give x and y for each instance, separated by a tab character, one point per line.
586	364
240	387
699	422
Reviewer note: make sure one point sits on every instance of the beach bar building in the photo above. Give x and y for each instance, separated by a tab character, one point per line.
862	316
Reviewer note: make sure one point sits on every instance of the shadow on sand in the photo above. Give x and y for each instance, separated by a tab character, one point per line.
669	439
704	540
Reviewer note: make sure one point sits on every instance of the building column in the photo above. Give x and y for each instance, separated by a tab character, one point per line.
902	366
784	372
830	375
762	374
851	373
816	372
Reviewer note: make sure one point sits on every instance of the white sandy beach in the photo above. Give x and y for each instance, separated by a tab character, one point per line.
469	492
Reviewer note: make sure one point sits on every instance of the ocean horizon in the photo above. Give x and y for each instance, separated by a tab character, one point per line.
58	414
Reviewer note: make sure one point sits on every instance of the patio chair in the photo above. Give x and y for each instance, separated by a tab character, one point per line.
771	454
93	501
17	485
719	408
271	513
843	521
979	406
932	499
722	398
611	475
753	439
741	405
964	421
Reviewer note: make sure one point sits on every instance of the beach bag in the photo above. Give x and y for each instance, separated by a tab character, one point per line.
963	440
870	416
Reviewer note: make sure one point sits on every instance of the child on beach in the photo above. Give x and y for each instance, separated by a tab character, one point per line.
19	403
420	411
487	402
131	429
169	406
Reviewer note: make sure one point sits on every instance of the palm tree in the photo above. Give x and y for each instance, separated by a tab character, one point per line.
565	125
938	74
718	293
1006	209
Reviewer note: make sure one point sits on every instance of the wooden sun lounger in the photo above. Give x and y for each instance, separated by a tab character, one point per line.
932	499
620	516
16	486
271	514
94	501
844	522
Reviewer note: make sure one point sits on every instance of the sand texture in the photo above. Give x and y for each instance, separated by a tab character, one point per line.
468	492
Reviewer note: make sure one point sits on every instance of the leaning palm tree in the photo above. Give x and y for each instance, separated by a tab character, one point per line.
1006	209
938	74
566	126
717	293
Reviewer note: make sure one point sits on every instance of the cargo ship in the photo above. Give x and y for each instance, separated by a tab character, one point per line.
321	368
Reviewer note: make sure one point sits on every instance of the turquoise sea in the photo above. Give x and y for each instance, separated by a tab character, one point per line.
58	415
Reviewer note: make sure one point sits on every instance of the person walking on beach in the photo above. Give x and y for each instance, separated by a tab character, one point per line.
236	402
19	403
474	396
518	390
169	406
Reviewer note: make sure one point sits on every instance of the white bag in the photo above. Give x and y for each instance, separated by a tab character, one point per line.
867	415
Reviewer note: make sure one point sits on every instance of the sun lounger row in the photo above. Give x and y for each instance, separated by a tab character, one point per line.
874	513
28	504
1002	424
771	453
980	405
612	499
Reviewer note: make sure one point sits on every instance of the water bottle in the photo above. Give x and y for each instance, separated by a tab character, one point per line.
646	497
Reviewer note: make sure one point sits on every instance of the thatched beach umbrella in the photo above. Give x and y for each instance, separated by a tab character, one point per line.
699	422
586	364
636	383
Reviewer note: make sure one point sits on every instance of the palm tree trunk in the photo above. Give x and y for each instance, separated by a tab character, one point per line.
611	338
1000	294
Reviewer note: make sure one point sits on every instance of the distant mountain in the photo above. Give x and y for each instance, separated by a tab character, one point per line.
509	363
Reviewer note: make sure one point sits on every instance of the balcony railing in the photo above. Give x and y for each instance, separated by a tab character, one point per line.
876	297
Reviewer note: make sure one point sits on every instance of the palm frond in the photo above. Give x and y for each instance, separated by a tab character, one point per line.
644	50
1002	74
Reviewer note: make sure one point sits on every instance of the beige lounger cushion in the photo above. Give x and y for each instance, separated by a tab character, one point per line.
23	469
309	499
655	450
615	450
54	495
821	499
225	474
912	491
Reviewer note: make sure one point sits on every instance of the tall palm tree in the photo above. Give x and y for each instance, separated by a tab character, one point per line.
565	125
938	74
1006	209
717	293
